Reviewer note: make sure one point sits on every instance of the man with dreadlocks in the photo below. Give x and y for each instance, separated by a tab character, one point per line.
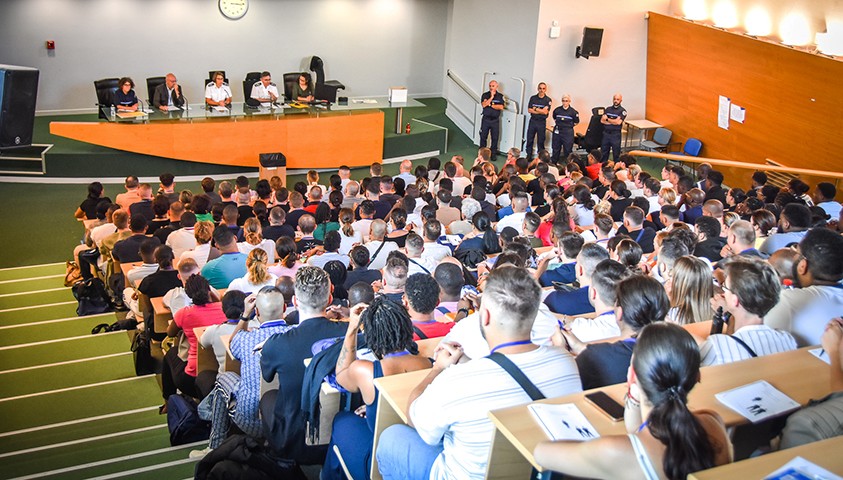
453	433
389	334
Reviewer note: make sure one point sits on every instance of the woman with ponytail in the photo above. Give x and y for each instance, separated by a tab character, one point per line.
582	212
256	276
483	236
348	236
666	440
253	233
288	257
389	335
618	197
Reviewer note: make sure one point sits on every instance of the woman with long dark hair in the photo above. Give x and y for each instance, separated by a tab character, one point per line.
483	236
389	335
666	440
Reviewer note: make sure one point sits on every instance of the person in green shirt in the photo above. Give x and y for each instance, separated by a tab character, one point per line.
303	90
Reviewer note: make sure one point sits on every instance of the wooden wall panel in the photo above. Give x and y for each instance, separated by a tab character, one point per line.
793	100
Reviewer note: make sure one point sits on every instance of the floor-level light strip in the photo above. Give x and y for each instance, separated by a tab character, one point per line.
45	277
3	295
116	460
150	468
16	309
77	387
57	340
31	266
68	362
78	421
81	440
65	319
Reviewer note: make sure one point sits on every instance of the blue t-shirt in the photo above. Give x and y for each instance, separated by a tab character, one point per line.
125	99
222	270
569	303
564	273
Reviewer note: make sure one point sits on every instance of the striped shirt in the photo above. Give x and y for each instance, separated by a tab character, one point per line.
453	409
763	340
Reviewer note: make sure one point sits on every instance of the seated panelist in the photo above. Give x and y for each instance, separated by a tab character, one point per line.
125	99
218	93
168	96
265	91
303	91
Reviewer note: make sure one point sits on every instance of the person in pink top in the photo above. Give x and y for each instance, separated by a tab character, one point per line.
206	310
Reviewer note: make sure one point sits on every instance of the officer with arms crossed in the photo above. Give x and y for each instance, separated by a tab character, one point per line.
217	93
612	121
539	108
265	91
492	103
565	118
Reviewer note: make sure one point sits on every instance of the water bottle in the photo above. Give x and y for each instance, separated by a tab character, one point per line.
113	111
407	129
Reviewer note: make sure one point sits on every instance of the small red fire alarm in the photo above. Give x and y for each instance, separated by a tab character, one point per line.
50	44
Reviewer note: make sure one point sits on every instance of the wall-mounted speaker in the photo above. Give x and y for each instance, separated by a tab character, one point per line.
591	40
18	91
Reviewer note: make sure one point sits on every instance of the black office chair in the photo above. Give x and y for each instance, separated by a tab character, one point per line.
593	137
151	84
290	81
248	83
106	88
324	90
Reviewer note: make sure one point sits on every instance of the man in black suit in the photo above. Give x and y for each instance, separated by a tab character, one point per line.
168	96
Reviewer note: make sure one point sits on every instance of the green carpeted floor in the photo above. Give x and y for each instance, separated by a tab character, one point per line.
72	405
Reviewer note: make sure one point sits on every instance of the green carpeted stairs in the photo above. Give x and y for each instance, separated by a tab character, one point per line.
71	404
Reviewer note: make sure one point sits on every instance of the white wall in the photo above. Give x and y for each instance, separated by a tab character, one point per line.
489	35
369	45
621	66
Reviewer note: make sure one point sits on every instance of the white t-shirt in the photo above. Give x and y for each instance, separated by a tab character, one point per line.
379	261
804	312
763	340
266	245
181	241
198	254
347	243
217	94
454	407
244	285
259	91
435	251
514	220
598	328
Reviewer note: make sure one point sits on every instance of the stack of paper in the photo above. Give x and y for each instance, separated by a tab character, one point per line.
757	401
563	422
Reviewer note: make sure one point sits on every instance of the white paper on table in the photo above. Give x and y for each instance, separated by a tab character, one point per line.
453	239
821	354
563	422
757	401
737	113
723	112
220	109
810	469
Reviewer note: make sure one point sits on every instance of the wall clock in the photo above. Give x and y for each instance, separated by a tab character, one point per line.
234	9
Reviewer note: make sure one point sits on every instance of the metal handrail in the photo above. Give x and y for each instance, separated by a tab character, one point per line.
464	86
736	164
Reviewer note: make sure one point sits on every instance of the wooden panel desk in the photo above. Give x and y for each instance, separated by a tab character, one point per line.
161	314
825	453
392	406
125	267
231	364
798	374
206	359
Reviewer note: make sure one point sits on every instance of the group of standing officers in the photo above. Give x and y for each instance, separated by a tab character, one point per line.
565	117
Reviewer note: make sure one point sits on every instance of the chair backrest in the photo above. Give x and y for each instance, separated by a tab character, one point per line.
106	88
290	81
594	133
151	84
248	83
692	147
662	136
212	72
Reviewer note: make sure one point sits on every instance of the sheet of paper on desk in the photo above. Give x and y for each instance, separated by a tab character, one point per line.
563	422
757	401
821	354
799	468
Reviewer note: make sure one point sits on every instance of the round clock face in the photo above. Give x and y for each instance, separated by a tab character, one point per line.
234	9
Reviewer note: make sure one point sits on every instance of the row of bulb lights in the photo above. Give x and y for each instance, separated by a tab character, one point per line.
794	29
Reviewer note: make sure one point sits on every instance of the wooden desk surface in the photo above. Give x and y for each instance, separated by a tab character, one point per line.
125	267
798	374
231	364
825	453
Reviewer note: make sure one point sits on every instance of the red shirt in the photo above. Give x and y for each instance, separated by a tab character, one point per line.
593	171
194	316
433	329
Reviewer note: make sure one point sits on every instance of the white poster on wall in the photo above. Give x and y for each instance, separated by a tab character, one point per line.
723	112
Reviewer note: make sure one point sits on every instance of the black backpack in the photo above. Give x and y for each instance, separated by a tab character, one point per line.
92	297
240	456
184	422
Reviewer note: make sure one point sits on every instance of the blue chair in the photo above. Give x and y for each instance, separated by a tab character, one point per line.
691	149
659	142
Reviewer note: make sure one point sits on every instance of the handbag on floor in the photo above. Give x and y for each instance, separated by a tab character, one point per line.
92	297
72	274
183	421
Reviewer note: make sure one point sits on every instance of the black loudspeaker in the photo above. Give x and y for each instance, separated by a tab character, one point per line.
591	40
18	91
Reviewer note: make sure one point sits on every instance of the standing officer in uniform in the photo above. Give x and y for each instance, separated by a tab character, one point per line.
612	121
563	132
265	91
492	103
539	108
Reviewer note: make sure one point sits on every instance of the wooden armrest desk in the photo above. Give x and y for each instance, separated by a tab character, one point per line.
392	406
231	364
798	374
161	314
205	357
125	267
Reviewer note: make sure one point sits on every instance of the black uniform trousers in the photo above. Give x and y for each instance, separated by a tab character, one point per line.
535	128
563	144
611	141
490	126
